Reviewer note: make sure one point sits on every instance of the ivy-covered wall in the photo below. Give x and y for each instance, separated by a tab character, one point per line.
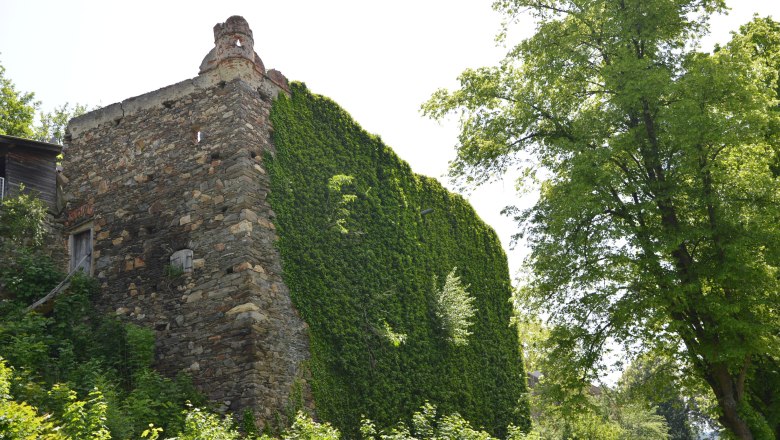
365	244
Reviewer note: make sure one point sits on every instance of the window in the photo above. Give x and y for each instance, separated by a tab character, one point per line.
81	251
2	177
182	260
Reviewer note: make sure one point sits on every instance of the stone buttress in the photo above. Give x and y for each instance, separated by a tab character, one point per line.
170	190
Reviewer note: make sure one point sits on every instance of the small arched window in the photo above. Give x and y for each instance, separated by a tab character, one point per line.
182	260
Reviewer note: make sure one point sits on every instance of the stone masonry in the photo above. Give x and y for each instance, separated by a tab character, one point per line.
182	168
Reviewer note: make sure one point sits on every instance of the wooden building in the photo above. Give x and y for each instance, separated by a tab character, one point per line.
31	164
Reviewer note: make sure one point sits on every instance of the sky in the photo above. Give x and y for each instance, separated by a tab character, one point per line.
380	60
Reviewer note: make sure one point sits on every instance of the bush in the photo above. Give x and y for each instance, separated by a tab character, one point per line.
22	219
202	425
20	421
81	350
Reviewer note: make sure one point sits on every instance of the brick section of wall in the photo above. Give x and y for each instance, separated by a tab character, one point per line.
182	168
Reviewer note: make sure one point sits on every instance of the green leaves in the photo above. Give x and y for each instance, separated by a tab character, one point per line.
341	200
83	419
455	309
657	222
51	125
202	425
83	352
17	115
428	425
18	420
17	109
361	236
22	219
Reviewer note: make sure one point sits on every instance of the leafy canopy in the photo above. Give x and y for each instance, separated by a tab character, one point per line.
657	166
17	109
17	114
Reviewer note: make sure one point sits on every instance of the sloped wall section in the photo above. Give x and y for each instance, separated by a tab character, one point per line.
365	245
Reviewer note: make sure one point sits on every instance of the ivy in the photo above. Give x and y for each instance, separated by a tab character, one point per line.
361	237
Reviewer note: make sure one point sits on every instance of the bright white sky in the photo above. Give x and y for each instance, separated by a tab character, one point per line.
378	59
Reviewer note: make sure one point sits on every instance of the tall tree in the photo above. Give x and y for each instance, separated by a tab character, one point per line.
51	125
657	222
17	109
17	114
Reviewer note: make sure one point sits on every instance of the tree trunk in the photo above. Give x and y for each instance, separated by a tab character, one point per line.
731	420
729	393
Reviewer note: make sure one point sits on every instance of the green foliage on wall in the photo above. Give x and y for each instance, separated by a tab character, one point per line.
361	238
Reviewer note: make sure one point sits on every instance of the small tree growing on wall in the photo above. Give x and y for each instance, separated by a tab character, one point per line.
455	309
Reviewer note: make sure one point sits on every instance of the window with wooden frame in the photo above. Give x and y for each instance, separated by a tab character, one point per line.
81	250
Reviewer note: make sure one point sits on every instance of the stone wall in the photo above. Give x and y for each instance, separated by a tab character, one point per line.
182	168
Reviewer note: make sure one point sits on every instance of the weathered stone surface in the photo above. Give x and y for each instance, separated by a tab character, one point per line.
248	307
181	168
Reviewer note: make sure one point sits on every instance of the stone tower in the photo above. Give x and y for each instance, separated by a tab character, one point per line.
168	191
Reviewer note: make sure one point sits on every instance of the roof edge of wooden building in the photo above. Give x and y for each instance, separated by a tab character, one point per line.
32	164
8	142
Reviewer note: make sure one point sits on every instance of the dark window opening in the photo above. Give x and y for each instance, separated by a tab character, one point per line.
197	134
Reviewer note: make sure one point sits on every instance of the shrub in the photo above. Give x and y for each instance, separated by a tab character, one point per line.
22	219
20	421
202	425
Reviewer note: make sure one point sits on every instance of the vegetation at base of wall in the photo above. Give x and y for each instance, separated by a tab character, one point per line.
73	352
425	424
361	238
90	373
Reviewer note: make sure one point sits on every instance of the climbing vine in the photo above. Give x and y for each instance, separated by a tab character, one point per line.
361	238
